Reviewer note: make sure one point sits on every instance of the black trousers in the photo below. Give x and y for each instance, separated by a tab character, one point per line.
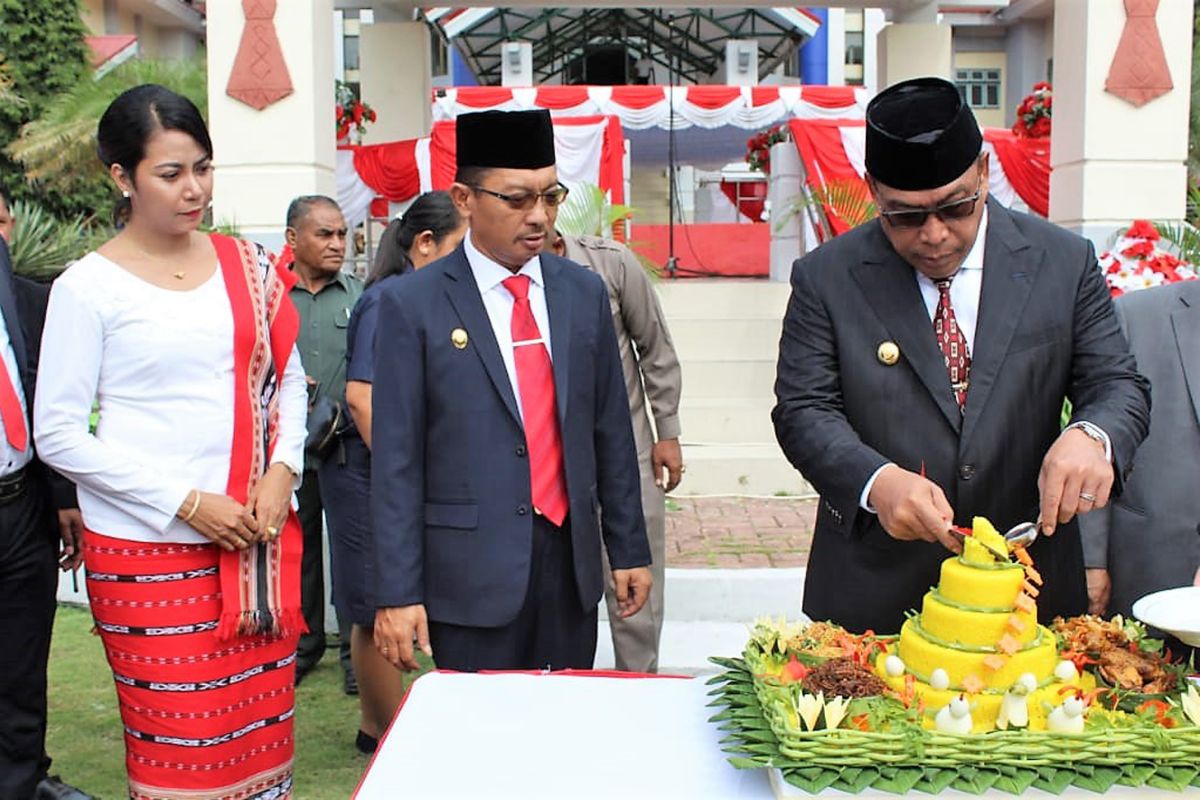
312	579
552	629
28	579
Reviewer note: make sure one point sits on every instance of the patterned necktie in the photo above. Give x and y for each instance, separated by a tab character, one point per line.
535	379
952	342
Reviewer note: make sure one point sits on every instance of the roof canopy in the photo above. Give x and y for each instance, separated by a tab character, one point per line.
663	42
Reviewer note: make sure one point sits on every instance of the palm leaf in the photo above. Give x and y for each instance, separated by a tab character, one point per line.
42	246
8	95
61	144
587	212
848	200
1184	237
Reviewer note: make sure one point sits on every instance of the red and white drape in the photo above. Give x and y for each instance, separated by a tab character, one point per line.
833	151
588	149
639	107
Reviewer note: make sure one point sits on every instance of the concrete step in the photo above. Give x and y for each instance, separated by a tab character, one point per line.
755	469
726	420
731	378
722	298
709	613
698	339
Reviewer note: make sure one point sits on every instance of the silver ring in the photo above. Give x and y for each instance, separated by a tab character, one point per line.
1087	496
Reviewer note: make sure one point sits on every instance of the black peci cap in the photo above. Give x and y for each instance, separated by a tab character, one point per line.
920	135
511	139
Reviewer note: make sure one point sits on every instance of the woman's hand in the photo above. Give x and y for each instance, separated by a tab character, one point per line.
221	519
270	500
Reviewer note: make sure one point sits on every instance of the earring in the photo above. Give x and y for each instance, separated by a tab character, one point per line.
125	194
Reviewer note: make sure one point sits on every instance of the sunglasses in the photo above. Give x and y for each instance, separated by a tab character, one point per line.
915	217
525	201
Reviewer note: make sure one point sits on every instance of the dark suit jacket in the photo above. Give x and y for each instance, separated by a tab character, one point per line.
23	305
450	493
1046	330
1149	539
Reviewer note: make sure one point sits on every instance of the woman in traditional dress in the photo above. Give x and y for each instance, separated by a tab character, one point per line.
428	230
186	342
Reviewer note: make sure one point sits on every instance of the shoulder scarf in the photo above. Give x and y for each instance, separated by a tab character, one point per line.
260	586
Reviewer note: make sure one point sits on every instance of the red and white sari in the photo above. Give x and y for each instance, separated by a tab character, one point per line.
202	642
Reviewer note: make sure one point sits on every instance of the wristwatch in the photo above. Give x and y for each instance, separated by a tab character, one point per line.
1095	433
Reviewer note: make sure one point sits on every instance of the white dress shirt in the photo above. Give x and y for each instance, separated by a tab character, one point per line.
12	459
499	304
160	363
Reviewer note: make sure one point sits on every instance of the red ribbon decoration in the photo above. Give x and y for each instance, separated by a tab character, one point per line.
259	76
1139	71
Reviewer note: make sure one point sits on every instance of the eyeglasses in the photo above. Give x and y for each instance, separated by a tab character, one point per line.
915	217
525	201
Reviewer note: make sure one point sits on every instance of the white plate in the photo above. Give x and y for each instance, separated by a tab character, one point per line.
1176	611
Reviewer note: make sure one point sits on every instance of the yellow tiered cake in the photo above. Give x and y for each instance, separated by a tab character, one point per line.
977	636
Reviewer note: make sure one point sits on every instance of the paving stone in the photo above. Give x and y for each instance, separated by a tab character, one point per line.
739	532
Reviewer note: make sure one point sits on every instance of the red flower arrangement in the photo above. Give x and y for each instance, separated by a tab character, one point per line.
1033	115
758	147
1136	261
351	113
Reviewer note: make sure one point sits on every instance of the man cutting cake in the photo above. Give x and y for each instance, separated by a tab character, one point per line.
922	369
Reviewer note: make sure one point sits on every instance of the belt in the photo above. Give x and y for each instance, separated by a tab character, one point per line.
13	485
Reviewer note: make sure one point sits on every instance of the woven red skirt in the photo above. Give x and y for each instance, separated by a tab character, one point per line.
204	719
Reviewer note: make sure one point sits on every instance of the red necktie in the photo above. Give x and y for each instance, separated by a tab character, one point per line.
535	378
952	342
11	413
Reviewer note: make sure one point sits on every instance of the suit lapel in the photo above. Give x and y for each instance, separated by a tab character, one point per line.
8	306
890	287
464	295
558	307
1185	322
1008	277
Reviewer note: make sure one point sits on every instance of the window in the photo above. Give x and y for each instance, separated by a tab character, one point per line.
980	88
438	57
350	52
854	47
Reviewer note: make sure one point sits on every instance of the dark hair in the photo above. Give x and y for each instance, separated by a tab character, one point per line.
299	208
130	121
434	212
471	176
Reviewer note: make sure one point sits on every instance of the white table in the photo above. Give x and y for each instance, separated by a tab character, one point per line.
581	736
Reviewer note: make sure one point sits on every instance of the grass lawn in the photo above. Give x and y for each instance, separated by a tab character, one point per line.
85	735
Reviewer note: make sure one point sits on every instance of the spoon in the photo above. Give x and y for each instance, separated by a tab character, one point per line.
1021	535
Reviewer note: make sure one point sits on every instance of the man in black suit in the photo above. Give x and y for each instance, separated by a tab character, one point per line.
922	369
501	431
29	550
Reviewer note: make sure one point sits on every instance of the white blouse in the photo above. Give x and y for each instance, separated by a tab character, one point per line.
160	363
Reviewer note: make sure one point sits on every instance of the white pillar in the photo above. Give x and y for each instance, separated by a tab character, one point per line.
835	60
787	218
1113	162
741	62
516	64
914	45
873	24
266	158
395	77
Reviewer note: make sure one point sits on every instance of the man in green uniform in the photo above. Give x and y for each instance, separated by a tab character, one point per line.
324	295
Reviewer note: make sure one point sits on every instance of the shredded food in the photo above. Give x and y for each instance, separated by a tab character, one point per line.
843	677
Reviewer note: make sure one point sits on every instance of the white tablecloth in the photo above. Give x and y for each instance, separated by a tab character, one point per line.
574	737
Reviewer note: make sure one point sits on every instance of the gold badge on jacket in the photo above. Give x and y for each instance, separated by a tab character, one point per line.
459	338
888	353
